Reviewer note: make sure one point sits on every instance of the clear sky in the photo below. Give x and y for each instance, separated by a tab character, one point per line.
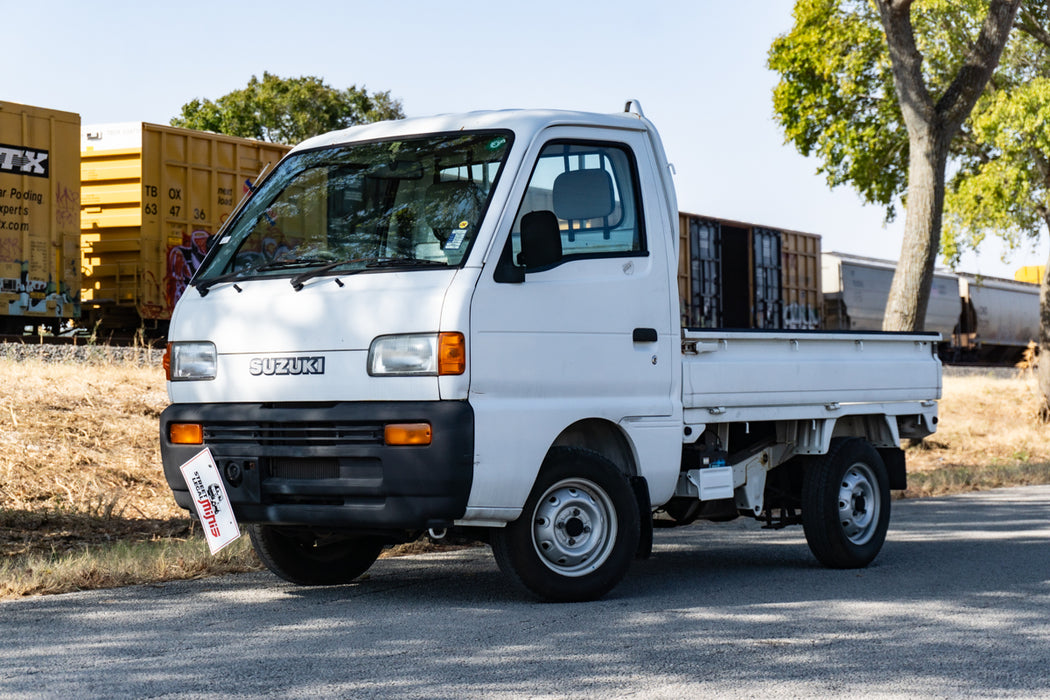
697	67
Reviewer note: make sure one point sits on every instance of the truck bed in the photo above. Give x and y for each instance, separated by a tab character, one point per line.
741	375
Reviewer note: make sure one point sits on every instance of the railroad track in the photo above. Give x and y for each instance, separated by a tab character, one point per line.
116	341
81	350
156	346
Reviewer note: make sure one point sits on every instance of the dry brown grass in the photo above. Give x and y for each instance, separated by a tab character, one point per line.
989	436
121	563
84	503
83	500
80	441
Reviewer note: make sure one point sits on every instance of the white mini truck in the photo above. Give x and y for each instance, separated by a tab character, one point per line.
472	322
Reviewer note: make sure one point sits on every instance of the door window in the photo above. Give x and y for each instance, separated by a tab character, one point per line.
582	201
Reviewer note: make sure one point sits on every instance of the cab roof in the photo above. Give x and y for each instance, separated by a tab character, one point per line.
523	122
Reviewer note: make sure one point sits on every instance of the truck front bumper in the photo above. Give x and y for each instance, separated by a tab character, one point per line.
327	465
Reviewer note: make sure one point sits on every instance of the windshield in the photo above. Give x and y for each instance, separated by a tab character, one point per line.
382	205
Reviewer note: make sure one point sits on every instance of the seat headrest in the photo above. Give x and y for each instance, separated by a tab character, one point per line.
583	194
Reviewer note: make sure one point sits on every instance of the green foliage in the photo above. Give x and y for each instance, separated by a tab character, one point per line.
287	110
836	97
836	100
1002	185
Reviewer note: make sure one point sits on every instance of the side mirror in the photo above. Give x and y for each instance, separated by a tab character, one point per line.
540	240
506	271
540	248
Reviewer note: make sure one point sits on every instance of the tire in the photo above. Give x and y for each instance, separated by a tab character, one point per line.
682	511
846	504
577	533
308	558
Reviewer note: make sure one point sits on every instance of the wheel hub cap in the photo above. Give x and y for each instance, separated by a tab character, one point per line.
858	504
574	527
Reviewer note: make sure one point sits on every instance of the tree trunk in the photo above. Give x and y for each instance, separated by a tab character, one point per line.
1043	366
931	127
910	291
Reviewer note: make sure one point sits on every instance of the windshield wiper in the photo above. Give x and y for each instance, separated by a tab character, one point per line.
289	264
406	262
317	267
298	281
204	285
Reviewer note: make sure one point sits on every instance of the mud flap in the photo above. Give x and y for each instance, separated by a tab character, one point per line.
645	517
896	469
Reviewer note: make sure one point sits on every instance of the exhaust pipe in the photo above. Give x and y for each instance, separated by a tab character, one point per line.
437	533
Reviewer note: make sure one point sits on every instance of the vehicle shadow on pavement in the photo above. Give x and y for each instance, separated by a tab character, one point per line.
954	605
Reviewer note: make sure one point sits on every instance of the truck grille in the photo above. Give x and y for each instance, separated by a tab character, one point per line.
297	468
294	434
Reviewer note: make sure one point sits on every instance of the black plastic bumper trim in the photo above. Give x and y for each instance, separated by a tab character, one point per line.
359	484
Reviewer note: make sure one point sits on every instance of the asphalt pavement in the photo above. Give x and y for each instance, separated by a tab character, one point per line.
956	605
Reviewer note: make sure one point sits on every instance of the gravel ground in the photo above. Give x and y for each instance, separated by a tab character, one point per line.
105	354
983	371
954	607
88	354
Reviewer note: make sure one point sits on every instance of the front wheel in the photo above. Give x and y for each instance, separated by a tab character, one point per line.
311	558
577	533
846	505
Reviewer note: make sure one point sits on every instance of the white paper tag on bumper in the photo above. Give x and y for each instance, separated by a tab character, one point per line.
210	500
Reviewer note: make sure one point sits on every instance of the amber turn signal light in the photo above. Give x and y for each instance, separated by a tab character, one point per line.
166	362
452	353
407	434
186	433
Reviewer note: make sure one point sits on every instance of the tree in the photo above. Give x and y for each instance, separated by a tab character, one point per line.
858	86
1002	185
932	124
287	110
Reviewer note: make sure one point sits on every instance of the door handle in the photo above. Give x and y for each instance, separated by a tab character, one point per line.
645	335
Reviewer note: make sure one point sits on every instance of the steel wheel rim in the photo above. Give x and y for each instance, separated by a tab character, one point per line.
574	527
859	504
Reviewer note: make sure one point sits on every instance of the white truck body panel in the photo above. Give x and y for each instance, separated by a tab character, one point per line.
549	353
580	353
731	375
544	353
270	319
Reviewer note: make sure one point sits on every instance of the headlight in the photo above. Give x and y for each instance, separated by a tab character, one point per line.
191	361
403	355
417	354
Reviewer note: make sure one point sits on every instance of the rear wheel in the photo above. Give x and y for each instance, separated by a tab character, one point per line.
683	511
846	504
578	530
310	558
